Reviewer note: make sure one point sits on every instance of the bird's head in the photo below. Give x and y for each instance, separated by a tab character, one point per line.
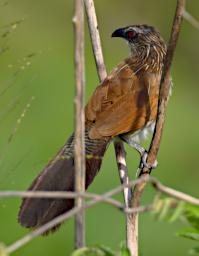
140	37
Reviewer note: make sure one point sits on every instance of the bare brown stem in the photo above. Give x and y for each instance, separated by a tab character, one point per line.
67	194
95	38
79	147
166	83
163	99
26	239
60	195
174	193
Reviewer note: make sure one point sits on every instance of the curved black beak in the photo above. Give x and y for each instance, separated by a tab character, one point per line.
118	33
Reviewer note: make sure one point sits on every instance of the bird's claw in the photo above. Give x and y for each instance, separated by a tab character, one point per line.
144	163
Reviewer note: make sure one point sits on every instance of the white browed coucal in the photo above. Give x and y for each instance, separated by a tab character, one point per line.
124	106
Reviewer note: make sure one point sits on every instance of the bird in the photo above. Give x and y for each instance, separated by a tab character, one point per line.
123	106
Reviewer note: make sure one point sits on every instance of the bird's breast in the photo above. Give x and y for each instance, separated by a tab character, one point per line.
140	134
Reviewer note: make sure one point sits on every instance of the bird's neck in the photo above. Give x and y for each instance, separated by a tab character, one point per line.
148	57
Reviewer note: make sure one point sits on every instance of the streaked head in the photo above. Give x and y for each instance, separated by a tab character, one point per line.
140	35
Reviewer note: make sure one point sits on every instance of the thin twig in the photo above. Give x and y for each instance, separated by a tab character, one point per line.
106	197
21	242
95	38
102	73
174	193
162	104
59	195
67	194
79	147
165	84
194	22
56	221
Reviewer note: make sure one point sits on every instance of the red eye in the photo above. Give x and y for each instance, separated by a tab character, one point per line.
131	34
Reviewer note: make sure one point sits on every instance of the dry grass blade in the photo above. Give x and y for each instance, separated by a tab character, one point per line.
194	22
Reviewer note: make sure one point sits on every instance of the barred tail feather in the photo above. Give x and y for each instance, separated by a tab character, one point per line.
59	175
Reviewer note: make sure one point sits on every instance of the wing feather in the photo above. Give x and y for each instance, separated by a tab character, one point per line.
121	104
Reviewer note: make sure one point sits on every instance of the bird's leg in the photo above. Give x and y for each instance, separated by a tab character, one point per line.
143	154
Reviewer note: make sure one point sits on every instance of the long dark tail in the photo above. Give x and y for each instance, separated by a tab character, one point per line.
58	175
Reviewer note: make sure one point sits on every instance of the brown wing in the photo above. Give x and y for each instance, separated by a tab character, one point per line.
123	103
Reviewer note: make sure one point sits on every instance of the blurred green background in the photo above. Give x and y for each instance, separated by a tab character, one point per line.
36	60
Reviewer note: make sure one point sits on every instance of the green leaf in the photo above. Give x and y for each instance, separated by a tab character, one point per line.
88	252
124	251
179	210
194	251
3	251
107	250
189	233
94	251
194	209
192	215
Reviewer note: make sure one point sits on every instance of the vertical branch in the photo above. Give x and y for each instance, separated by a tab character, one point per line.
166	82
95	38
79	147
119	148
162	104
